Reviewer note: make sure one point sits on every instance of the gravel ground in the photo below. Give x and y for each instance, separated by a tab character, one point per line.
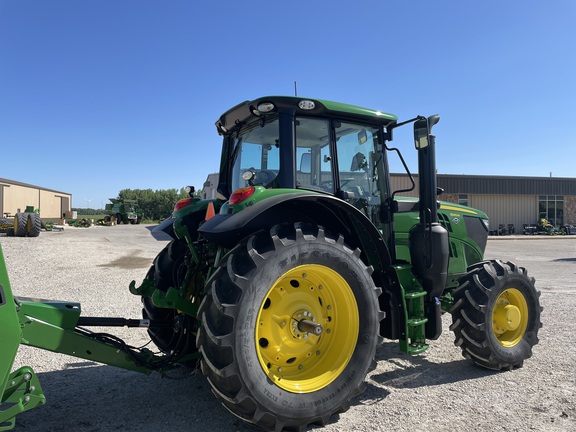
435	391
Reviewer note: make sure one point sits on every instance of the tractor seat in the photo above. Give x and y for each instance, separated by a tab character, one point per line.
358	191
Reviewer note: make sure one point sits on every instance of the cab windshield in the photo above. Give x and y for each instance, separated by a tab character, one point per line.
331	156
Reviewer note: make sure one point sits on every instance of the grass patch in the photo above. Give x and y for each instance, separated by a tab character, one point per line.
95	216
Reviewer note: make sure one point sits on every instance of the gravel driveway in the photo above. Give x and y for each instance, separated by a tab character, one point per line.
435	391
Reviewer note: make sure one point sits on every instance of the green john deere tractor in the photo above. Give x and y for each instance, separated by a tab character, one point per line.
24	224
124	211
284	288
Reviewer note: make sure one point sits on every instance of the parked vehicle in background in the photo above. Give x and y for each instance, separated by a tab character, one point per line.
23	224
125	211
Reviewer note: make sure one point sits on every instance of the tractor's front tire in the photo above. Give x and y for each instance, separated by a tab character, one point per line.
168	270
289	327
496	315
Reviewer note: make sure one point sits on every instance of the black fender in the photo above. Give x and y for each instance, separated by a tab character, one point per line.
191	216
163	228
328	211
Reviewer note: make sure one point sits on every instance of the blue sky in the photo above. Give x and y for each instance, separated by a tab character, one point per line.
102	95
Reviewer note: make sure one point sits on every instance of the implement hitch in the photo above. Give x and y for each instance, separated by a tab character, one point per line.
22	393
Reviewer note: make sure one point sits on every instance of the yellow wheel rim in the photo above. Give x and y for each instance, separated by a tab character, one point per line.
510	317
290	351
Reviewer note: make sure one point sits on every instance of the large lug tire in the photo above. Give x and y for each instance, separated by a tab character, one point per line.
21	224
266	304
5	224
496	315
35	224
168	270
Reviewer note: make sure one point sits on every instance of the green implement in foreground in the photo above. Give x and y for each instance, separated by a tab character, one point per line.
54	326
283	286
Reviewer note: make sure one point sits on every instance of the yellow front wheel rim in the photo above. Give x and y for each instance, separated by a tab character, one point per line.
510	317
307	328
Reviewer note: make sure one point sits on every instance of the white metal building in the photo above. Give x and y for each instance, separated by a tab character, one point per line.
16	196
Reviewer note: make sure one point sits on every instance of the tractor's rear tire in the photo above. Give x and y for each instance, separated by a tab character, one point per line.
496	315
168	270
35	224
21	224
260	351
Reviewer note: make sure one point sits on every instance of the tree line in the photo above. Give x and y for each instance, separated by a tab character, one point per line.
156	205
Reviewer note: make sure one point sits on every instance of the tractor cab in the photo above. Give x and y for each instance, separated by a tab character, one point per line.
289	143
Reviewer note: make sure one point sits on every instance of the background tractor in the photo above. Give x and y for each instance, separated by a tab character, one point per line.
24	224
123	210
283	289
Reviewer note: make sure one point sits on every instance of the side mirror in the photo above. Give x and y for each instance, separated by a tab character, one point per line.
421	133
423	129
306	163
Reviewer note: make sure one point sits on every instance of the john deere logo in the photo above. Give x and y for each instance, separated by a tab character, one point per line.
456	220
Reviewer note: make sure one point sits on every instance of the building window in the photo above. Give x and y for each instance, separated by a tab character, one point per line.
463	199
551	207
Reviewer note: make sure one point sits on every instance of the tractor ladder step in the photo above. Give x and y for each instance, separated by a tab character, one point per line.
415	334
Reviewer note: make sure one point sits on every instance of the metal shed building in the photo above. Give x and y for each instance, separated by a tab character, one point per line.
506	199
16	196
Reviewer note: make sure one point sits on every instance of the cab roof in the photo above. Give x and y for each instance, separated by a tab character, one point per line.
319	107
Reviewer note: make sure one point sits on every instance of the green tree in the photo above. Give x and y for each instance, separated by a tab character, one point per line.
155	204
